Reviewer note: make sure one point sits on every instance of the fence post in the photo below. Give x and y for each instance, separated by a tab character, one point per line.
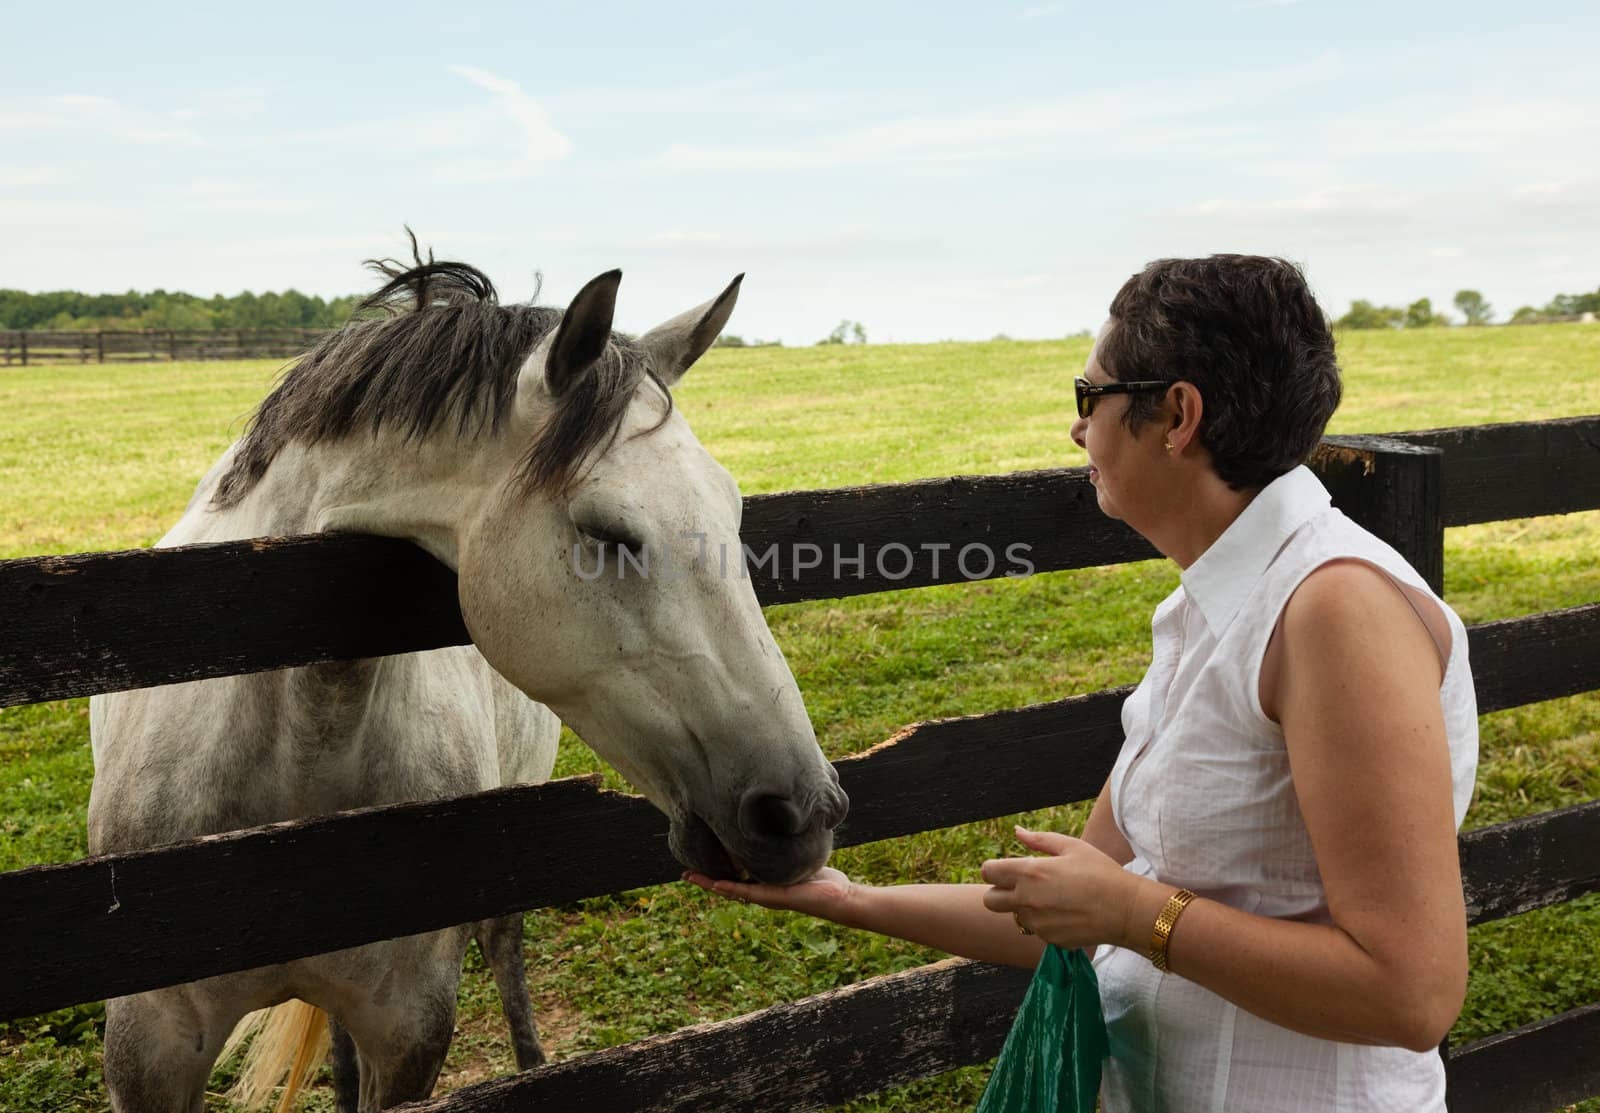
1394	489
100	344
22	340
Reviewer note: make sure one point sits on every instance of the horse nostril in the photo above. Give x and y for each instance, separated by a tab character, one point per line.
770	817
838	807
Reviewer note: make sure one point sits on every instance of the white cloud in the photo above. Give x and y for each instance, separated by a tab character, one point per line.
214	187
232	104
1485	124
508	137
259	205
846	244
220	195
539	140
83	116
21	177
1154	116
1025	281
33	216
1329	211
1569	197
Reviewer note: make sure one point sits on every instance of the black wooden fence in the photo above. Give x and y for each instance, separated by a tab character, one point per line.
127	922
54	346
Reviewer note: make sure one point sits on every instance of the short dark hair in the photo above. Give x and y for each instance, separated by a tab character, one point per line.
1247	332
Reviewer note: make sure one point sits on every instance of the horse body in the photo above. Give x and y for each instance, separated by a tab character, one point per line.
675	680
191	759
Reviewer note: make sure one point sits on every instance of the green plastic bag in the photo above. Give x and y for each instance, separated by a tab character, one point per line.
1051	1059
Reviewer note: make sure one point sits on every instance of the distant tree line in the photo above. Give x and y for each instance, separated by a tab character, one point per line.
1474	310
68	309
1562	305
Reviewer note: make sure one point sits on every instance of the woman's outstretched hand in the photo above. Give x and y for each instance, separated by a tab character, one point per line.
826	894
1077	896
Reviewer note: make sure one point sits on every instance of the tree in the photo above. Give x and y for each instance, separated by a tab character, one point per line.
68	309
1573	305
1473	307
176	312
1363	314
1526	314
1420	314
846	331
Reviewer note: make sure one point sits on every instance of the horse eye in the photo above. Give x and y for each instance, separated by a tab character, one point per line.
600	535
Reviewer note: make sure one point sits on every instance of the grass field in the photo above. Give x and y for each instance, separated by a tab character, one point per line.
106	457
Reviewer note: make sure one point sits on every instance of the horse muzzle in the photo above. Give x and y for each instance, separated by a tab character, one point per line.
773	838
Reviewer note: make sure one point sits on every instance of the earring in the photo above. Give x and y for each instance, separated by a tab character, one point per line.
1169	446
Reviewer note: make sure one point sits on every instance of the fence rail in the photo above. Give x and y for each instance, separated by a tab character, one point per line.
888	1031
82	624
27	347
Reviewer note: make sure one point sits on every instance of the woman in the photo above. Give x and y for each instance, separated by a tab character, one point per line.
1270	872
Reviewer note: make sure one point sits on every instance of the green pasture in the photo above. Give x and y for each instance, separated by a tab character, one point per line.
105	457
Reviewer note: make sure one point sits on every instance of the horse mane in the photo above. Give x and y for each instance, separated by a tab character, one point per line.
431	348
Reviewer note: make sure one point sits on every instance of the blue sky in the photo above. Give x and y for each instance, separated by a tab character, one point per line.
932	170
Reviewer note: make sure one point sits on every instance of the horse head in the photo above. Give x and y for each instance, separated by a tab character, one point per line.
605	577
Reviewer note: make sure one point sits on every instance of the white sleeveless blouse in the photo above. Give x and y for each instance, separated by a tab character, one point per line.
1203	792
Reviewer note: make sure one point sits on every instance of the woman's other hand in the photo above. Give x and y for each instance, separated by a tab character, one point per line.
826	894
1077	896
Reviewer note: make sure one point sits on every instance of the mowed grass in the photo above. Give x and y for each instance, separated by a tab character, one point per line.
106	457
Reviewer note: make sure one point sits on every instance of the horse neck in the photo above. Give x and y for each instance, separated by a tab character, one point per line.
423	491
420	492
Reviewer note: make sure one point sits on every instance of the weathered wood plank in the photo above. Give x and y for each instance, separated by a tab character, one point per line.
1494	473
833	1047
1517	661
100	622
1393	489
803	1055
173	914
151	910
1531	863
930	531
212	905
1537	1068
109	621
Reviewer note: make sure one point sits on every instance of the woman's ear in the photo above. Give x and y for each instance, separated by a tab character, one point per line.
1184	409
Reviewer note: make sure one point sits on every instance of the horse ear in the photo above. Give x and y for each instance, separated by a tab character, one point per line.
675	345
585	330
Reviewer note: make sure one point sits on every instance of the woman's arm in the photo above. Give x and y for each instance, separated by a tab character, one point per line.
1358	699
950	918
1358	693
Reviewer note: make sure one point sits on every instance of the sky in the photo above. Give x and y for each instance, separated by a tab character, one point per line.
934	171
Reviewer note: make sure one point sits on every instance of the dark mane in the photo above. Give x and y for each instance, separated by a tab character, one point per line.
433	348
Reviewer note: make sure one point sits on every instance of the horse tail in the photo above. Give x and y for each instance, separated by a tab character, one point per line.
291	1041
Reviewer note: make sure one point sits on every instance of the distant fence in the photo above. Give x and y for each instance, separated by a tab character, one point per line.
122	923
45	346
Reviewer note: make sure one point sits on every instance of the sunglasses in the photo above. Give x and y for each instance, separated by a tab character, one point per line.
1087	392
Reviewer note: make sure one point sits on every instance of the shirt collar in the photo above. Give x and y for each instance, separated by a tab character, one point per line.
1223	577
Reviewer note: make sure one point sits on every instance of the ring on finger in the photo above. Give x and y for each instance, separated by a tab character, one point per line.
1022	927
